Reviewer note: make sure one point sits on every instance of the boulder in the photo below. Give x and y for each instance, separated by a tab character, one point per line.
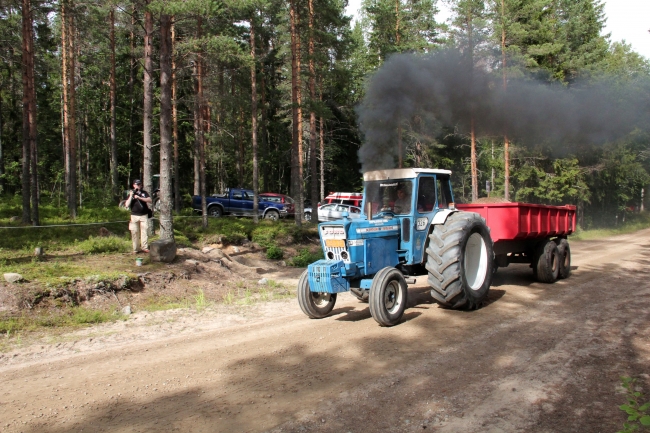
162	250
206	250
126	310
12	277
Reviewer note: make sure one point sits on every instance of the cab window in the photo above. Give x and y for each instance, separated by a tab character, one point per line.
426	194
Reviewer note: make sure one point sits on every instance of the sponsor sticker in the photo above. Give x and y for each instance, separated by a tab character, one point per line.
355	242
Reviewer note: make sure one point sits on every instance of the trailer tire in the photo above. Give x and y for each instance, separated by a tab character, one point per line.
460	261
315	305
546	262
564	251
388	296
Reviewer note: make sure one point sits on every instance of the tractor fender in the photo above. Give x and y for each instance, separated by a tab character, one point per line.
440	217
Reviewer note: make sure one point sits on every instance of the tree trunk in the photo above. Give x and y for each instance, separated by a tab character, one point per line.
199	119
473	162
165	196
29	168
132	68
147	128
176	177
114	179
72	126
313	160
197	131
296	154
506	143
264	135
254	122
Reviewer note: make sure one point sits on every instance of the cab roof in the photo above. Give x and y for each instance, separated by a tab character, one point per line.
401	173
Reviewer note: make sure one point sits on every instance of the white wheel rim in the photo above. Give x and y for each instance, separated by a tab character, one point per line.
476	261
393	297
320	298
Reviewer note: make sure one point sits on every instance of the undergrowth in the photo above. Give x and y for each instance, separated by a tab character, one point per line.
638	411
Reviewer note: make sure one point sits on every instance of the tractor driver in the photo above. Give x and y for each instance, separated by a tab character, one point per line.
403	202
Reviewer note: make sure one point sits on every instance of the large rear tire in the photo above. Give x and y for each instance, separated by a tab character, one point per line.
565	257
546	262
315	305
460	261
388	296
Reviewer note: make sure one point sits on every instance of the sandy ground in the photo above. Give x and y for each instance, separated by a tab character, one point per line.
542	358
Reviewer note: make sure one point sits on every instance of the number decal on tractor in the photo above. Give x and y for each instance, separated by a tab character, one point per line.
421	223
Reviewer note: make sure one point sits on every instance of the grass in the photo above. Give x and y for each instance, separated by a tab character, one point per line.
634	223
67	317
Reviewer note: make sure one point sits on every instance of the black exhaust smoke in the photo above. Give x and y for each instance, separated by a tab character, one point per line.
442	86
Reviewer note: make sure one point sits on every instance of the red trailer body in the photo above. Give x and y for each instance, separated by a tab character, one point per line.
520	231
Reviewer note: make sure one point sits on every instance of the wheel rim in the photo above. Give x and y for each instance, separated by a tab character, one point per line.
272	216
321	299
476	261
393	297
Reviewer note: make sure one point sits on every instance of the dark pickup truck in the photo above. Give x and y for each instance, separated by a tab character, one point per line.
239	202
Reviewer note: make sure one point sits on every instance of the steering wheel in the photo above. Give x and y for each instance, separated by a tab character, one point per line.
385	212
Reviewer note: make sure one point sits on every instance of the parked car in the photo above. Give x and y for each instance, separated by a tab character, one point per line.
239	202
334	211
350	198
280	198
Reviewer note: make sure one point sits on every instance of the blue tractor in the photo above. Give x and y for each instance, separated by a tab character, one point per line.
410	227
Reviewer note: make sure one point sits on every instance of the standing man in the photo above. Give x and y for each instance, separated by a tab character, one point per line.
138	203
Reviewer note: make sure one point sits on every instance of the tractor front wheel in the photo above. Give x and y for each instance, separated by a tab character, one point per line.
315	305
388	296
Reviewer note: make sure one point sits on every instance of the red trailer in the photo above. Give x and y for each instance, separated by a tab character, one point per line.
530	233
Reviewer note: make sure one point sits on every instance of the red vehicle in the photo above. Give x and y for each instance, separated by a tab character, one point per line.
351	198
530	233
280	198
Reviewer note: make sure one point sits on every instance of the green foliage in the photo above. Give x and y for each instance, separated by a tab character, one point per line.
274	253
102	245
67	317
637	411
305	258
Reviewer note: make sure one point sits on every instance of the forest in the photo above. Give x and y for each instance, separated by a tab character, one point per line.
524	100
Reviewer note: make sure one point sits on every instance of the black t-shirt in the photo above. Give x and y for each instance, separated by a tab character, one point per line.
138	207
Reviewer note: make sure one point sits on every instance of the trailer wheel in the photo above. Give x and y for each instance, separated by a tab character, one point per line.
546	263
315	305
460	261
565	257
388	295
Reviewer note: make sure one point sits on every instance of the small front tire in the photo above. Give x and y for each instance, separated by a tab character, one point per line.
272	215
315	305
388	296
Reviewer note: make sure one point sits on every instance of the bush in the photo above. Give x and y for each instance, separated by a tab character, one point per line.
100	245
637	411
274	253
305	258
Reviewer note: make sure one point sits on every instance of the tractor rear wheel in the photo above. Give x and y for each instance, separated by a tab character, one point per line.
565	257
546	262
315	305
388	296
460	261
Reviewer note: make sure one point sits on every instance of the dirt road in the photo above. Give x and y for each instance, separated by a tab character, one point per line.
542	358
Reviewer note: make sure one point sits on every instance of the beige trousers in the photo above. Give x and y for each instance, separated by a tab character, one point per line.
139	226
